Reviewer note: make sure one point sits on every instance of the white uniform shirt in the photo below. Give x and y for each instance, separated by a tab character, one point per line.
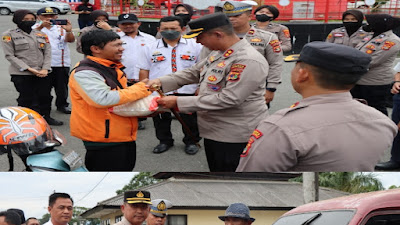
49	222
157	58
130	56
60	54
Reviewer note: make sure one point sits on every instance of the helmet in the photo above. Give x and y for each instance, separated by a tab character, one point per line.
25	131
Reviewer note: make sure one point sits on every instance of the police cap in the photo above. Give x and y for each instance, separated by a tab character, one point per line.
205	23
335	57
234	8
46	11
160	207
133	197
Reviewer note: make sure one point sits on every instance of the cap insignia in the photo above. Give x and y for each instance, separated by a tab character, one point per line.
161	206
126	16
140	194
228	6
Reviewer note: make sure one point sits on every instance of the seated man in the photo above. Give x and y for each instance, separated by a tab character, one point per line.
327	130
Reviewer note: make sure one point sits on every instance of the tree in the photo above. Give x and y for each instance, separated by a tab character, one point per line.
352	182
394	187
140	180
45	218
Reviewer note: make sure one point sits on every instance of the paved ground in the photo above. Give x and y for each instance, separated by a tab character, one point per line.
174	160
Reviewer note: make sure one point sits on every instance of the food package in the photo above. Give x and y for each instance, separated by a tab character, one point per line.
141	107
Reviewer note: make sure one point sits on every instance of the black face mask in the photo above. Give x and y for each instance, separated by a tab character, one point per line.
263	18
26	26
185	17
351	27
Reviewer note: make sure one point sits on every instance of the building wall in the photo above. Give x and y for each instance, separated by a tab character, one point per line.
207	217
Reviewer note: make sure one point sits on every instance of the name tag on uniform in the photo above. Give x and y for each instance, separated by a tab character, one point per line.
338	34
61	45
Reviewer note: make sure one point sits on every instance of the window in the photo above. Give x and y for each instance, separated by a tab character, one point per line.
389	219
118	218
106	222
177	220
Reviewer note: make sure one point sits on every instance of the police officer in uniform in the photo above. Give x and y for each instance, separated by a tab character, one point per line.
231	81
59	37
158	212
265	42
100	21
167	55
265	14
29	54
383	47
352	33
136	207
327	130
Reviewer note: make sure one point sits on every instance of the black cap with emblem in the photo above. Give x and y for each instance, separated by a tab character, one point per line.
205	23
127	18
133	197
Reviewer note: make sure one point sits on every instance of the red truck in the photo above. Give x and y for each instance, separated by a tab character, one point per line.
373	208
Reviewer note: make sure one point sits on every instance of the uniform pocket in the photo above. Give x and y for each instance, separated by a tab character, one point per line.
21	44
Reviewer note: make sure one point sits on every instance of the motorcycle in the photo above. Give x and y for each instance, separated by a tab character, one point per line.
27	134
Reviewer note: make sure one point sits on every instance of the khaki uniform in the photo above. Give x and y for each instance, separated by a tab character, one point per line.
268	45
383	50
86	30
329	132
282	32
25	50
340	36
231	101
124	221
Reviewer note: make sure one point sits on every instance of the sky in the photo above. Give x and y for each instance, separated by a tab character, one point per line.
30	191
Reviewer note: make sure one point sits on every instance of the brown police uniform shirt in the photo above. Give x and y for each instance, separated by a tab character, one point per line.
124	221
282	32
231	100
86	30
329	132
340	36
383	49
268	45
25	50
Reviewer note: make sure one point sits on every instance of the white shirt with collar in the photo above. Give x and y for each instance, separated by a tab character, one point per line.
60	53
156	58
49	222
130	56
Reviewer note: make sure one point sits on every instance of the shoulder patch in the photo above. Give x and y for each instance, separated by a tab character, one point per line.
286	32
251	31
257	134
329	36
6	38
247	148
228	53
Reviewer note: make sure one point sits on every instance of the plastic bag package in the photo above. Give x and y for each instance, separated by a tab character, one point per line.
141	107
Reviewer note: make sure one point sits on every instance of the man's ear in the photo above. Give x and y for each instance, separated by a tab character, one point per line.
158	29
95	49
123	208
49	208
303	75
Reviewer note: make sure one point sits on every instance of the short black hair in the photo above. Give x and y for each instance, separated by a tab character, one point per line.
271	8
332	80
19	212
97	38
11	217
170	19
53	197
31	218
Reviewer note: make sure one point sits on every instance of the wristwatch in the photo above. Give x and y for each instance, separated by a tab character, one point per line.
271	89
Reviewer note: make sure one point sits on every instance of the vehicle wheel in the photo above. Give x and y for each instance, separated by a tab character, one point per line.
56	10
4	11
